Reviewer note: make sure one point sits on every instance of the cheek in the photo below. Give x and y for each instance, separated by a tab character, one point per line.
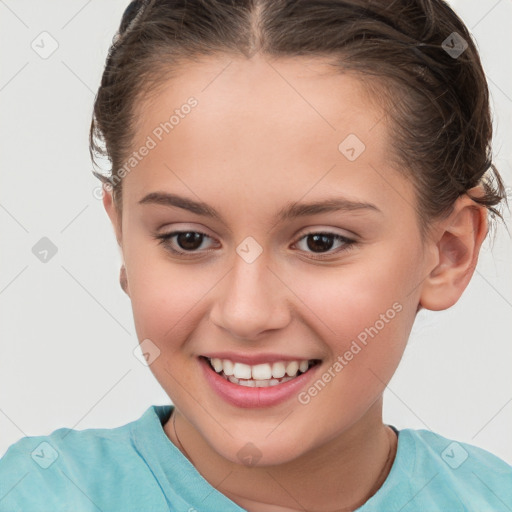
165	296
352	297
364	313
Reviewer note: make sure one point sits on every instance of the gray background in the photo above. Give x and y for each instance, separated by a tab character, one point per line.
66	328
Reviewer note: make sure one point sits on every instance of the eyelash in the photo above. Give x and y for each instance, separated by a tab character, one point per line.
348	243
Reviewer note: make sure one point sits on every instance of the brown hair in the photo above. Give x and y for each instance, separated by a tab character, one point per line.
438	101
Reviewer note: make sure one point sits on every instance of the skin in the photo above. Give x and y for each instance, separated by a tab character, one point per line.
252	145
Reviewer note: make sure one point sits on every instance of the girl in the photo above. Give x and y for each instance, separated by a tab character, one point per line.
292	181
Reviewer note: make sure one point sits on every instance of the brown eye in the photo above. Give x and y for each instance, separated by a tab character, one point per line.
187	242
322	242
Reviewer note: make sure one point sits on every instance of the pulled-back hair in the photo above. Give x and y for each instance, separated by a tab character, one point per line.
437	100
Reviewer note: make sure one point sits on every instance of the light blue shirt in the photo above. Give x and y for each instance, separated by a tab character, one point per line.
137	468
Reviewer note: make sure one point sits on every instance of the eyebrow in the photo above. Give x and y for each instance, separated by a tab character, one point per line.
290	211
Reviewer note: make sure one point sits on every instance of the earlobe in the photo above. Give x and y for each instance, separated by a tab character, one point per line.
458	245
123	281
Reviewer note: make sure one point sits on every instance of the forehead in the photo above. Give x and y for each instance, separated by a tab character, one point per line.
305	96
271	126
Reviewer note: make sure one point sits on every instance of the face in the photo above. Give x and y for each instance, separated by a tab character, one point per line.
327	295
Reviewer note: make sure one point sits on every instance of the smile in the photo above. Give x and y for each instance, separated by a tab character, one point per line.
260	375
263	384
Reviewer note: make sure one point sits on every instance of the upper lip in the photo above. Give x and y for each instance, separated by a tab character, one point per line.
253	359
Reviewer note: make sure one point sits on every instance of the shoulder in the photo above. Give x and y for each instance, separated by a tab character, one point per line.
456	455
70	466
471	477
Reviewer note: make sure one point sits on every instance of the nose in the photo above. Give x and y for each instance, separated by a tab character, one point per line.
250	300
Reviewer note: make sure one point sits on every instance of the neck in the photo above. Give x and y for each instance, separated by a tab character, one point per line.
341	474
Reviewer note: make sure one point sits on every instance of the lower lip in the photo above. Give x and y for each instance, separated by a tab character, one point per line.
244	396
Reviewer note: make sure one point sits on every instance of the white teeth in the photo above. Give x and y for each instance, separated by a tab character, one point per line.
260	375
217	364
227	367
303	366
292	368
257	383
278	370
242	371
261	372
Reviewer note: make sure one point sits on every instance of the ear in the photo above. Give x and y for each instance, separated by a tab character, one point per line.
115	218
456	245
108	203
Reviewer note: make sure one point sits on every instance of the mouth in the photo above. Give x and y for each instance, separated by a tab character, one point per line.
261	375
